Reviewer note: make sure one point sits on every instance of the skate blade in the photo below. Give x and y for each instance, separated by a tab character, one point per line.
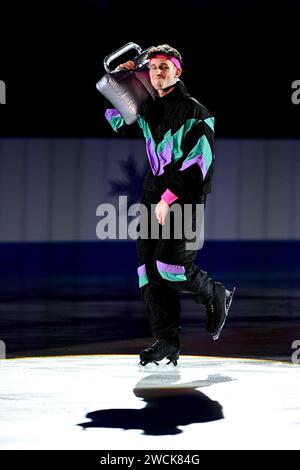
173	359
144	363
216	335
230	300
174	362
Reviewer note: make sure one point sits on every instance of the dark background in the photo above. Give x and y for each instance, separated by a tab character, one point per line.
240	59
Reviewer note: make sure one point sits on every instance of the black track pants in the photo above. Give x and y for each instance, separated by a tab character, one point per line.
166	268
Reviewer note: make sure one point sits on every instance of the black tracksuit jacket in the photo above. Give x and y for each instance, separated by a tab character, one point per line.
179	135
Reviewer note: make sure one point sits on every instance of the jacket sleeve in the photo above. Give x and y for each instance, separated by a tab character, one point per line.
116	121
190	174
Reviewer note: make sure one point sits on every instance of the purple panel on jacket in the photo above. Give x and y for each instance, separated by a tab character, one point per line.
199	159
151	155
165	156
111	112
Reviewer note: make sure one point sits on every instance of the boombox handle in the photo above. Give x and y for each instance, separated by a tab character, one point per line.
139	60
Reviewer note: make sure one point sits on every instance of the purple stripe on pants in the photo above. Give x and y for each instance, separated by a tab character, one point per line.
170	268
142	270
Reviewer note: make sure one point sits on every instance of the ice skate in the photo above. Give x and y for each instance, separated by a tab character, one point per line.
160	350
218	310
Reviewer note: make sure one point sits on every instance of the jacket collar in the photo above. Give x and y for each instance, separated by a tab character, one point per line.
178	92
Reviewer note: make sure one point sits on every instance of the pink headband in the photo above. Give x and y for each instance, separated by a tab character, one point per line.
172	59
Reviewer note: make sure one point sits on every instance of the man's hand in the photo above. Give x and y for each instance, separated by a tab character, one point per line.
161	211
129	65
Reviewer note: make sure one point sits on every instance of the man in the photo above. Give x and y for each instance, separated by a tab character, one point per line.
179	142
